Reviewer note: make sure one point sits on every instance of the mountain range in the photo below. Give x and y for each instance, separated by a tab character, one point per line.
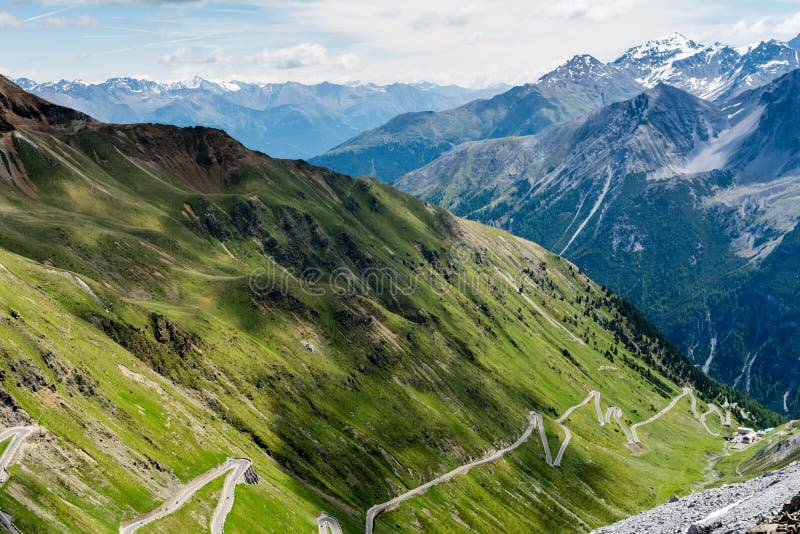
583	84
174	305
687	207
288	120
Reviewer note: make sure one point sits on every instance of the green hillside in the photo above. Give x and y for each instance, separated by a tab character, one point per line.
169	299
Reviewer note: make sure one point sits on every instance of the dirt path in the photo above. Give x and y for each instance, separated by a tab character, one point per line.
236	466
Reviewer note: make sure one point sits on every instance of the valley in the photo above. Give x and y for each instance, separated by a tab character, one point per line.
161	288
441	267
686	209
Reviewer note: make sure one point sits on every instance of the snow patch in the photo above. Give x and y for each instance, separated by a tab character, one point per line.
597	204
712	350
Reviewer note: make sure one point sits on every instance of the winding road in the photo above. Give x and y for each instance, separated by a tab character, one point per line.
724	420
670	406
236	467
328	525
611	411
534	421
17	434
537	422
225	503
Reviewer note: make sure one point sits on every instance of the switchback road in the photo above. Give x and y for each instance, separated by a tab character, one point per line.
236	466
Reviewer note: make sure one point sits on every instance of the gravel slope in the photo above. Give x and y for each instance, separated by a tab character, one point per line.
749	502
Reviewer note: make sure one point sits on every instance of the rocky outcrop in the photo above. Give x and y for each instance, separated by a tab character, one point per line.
787	520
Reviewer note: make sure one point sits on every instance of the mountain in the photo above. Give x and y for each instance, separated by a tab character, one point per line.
681	62
581	85
283	119
686	207
656	130
716	72
176	308
411	140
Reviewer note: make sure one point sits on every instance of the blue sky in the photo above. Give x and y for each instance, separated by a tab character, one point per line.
446	41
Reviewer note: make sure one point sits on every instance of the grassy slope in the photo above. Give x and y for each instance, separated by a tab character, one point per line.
192	517
735	465
400	387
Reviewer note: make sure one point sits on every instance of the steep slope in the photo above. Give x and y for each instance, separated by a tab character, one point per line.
771	149
172	301
659	130
409	141
287	119
681	205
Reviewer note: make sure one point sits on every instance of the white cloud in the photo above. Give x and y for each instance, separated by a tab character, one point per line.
790	26
348	61
426	21
118	2
7	20
751	29
186	56
593	10
446	41
767	27
474	38
59	23
463	15
215	57
294	57
456	17
176	57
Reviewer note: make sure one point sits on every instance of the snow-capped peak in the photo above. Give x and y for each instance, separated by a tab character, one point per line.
230	86
195	83
579	67
673	47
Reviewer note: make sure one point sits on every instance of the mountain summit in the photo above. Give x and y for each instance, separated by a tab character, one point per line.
19	108
412	140
581	85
